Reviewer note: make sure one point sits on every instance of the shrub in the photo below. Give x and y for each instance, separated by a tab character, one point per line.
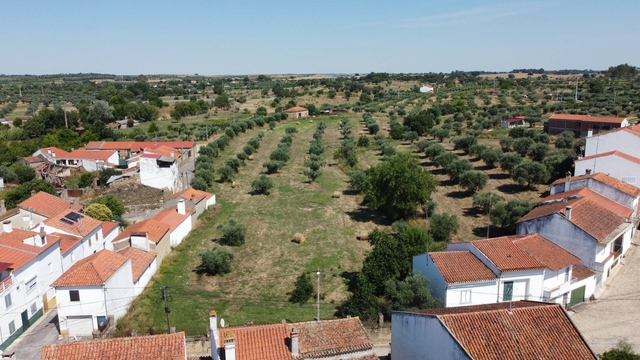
530	173
464	143
112	202
303	290
357	179
507	214
456	168
226	174
443	225
215	261
486	201
373	128
233	232
444	159
199	184
273	166
433	150
99	212
509	161
290	130
491	156
474	180
24	172
262	185
364	141
522	145
85	179
8	175
316	148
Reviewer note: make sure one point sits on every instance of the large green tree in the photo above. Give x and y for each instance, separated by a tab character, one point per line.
398	186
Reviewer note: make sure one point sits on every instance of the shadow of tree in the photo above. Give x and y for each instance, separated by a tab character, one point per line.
493	231
512	188
458	194
500	176
364	215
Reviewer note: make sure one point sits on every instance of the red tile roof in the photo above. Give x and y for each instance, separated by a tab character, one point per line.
172	218
586	214
587	118
316	339
607	180
630	129
154	347
332	337
140	260
67	242
137	145
261	342
55	152
154	229
33	159
91	155
165	151
83	227
191	192
45	204
617	153
108	226
506	255
546	252
461	266
581	272
518	330
595	197
295	109
515	119
94	270
14	251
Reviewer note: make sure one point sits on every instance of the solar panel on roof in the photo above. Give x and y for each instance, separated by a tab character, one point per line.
66	221
73	216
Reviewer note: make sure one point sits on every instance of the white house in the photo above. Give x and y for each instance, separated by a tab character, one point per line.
148	235
54	155
513	122
94	160
426	89
36	209
180	220
503	331
143	265
595	229
92	291
81	235
159	171
194	199
615	163
605	185
626	139
29	263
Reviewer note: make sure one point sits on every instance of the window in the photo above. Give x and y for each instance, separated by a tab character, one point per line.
43	240
74	295
73	257
7	301
465	297
12	327
50	268
507	291
34	308
31	285
89	241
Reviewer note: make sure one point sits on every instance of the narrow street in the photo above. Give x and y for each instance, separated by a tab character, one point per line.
44	331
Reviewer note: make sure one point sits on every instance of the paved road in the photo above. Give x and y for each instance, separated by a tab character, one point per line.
43	332
616	312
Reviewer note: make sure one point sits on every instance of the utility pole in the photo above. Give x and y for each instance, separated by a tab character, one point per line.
576	97
166	307
318	273
66	123
20	89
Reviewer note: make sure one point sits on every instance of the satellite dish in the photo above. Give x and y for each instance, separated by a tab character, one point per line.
221	322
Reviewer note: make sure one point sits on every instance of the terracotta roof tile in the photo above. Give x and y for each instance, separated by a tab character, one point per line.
154	347
83	227
191	192
546	252
15	239
55	152
586	214
140	260
108	226
137	145
154	229
534	332
295	109
262	342
506	255
587	118
33	159
461	266
67	242
45	204
581	272
617	153
332	337
165	151
11	213
91	155
607	180
172	218
94	270
630	129
595	197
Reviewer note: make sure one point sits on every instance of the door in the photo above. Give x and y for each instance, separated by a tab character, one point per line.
577	295
80	325
25	320
507	291
519	290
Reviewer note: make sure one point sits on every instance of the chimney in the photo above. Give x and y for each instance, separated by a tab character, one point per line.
589	133
173	155
53	153
181	207
33	192
230	347
567	182
587	172
48	150
214	334
7	227
567	212
295	345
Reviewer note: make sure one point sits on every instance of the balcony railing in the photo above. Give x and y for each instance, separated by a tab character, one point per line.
6	284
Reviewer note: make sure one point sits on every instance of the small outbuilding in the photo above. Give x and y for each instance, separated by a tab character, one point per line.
297	112
514	122
426	89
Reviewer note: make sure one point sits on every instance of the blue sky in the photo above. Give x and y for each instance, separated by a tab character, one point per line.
285	36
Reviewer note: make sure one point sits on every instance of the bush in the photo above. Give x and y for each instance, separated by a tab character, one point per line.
357	179
290	130
316	148
474	180
565	140
458	167
507	214
303	290
508	162
491	156
433	150
442	226
538	152
112	202
464	143
280	154
522	146
234	164
85	179
486	201
226	174
233	232
216	261
444	159
273	166
99	212
8	175
364	141
409	294
199	184
24	173
262	185
21	193
373	128
530	173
